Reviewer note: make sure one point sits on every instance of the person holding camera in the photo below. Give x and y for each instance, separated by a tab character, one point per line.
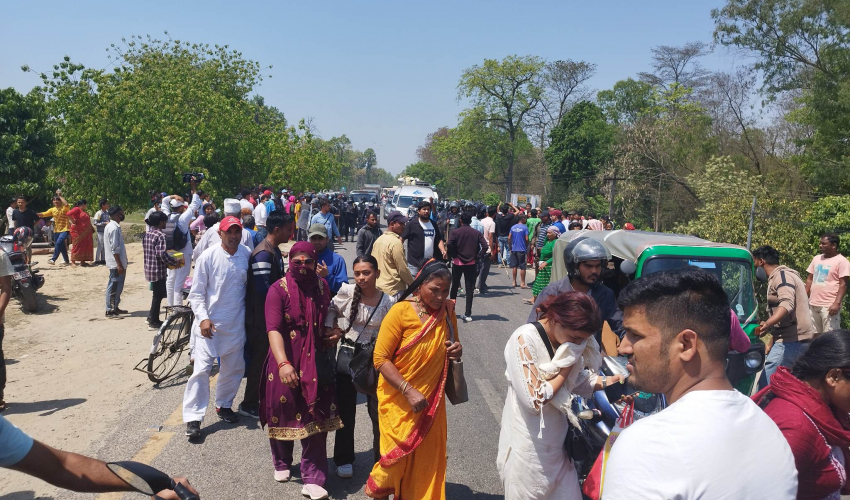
178	225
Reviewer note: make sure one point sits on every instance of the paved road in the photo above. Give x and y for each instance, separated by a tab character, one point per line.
234	460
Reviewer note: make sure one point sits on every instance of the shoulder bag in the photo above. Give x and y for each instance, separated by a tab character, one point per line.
347	347
579	443
456	389
361	369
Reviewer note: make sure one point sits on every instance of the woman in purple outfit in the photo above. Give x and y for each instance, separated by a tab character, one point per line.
293	404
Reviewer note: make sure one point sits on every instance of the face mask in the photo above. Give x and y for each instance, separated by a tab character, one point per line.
761	274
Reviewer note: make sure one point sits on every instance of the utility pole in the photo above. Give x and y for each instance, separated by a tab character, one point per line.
658	205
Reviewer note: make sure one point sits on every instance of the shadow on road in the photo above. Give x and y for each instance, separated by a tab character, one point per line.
463	492
48	407
23	495
489	317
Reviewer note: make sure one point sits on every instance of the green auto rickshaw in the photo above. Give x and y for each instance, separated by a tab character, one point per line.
636	253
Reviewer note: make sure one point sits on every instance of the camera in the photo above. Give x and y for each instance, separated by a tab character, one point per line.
187	178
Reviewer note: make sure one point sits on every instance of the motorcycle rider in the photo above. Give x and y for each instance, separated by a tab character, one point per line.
585	259
452	220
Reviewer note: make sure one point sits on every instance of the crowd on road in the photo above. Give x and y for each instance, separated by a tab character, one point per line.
309	339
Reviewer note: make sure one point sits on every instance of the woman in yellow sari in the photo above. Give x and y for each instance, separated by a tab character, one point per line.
412	354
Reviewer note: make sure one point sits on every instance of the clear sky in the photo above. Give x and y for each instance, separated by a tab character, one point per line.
384	73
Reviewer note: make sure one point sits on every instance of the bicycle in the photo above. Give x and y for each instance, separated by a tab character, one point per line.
168	344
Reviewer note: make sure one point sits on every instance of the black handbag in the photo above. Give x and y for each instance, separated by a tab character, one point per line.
581	443
326	366
364	376
347	347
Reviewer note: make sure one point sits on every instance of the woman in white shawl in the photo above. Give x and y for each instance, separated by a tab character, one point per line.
532	461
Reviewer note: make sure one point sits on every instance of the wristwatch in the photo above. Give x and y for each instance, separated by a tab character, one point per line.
604	381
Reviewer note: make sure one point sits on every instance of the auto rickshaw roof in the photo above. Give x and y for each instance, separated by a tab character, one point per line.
627	245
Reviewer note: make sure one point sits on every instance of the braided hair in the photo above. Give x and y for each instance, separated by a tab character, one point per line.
355	299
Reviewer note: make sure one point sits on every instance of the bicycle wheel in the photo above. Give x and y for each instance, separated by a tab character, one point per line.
168	346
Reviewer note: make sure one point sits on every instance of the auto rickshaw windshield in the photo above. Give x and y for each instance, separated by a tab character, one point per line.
734	274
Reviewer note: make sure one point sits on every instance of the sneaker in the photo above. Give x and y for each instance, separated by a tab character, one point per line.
281	476
112	315
51	262
121	311
477	292
227	415
314	491
466	319
460	291
249	412
345	471
193	430
154	325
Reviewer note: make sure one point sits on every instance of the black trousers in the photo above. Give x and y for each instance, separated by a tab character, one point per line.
346	400
469	273
159	293
3	364
257	347
483	272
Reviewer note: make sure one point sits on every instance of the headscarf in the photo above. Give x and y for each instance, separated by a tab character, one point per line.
290	204
428	269
554	229
595	225
309	297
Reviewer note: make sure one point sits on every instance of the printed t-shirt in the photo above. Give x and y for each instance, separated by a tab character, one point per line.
519	234
428	229
826	276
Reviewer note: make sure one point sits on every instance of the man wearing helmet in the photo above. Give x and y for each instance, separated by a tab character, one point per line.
585	259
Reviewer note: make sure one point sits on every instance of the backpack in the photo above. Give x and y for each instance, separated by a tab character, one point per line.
175	239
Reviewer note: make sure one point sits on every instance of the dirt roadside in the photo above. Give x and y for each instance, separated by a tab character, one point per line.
69	368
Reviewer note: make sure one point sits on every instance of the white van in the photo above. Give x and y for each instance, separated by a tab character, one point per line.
408	196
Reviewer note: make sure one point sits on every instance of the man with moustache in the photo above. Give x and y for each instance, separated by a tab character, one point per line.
711	441
586	258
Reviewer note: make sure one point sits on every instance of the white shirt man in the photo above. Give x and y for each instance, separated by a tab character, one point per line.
177	277
218	301
211	238
261	214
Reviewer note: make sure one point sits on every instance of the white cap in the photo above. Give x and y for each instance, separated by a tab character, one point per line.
232	206
175	203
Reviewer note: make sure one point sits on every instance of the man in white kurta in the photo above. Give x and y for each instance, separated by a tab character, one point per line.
218	301
182	215
210	238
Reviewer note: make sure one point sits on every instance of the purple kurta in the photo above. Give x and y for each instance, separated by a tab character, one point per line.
284	409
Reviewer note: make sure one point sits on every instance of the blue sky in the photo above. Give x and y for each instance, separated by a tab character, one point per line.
383	73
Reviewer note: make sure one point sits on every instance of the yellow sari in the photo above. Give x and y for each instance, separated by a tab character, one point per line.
413	445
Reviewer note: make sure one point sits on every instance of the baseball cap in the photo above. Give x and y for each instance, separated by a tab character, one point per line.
267	192
175	203
317	230
229	222
544	213
396	216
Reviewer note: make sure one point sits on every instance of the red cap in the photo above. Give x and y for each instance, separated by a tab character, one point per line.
229	222
267	192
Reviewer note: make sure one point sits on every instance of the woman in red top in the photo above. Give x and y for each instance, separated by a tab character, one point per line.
811	405
82	247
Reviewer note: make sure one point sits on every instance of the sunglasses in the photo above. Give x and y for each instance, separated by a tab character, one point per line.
304	262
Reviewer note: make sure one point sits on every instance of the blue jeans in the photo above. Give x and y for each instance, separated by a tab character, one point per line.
504	251
60	246
114	288
781	354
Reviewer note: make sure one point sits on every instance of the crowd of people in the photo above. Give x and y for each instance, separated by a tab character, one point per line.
298	327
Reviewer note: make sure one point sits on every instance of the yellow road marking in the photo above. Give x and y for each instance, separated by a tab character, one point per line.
155	443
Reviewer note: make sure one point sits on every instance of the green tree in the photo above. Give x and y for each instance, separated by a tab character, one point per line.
580	146
802	46
26	144
168	108
367	161
505	91
627	101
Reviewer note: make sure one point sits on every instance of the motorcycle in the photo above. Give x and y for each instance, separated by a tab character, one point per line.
26	281
148	481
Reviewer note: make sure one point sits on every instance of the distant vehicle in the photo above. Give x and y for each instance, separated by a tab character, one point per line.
408	196
362	196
